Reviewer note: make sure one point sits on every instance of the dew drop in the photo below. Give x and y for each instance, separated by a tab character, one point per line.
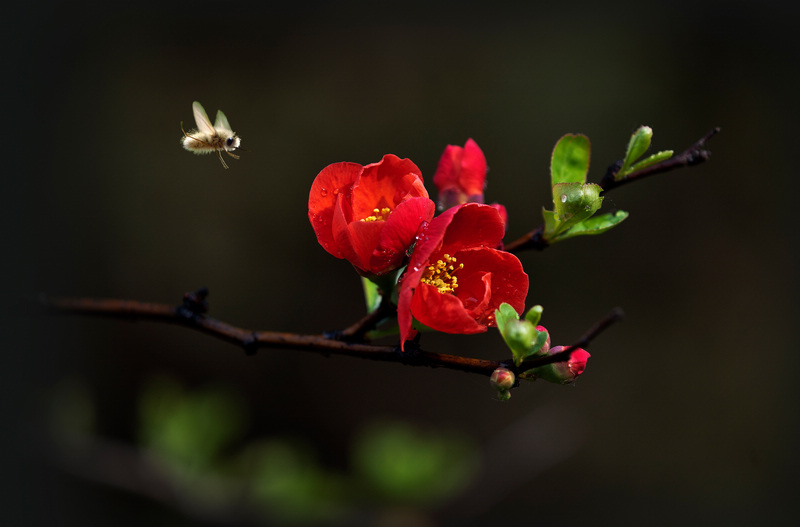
324	192
563	198
335	191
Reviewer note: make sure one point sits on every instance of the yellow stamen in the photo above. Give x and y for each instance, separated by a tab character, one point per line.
379	214
440	274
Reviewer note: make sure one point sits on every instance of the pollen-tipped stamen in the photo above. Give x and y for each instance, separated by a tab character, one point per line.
379	214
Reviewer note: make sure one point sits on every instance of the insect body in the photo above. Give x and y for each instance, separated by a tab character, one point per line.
207	138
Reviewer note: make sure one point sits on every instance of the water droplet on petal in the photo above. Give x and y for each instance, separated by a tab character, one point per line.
563	198
335	191
323	191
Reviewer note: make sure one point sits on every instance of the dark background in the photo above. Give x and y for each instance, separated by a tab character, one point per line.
687	412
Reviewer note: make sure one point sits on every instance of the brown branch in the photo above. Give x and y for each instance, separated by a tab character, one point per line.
694	155
191	316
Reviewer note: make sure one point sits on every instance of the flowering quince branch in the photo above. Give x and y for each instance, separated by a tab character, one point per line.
189	315
449	273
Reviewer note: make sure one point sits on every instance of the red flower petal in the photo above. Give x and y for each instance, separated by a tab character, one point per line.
400	231
474	225
489	277
509	283
386	184
441	312
332	182
356	239
344	194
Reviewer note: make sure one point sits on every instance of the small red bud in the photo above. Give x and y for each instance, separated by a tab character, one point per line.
563	372
546	348
502	379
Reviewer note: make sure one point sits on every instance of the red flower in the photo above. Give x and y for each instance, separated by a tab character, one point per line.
456	278
461	175
369	215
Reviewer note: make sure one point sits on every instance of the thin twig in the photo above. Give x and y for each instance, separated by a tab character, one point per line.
695	154
358	331
616	315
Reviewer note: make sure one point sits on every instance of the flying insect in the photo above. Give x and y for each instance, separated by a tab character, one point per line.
208	138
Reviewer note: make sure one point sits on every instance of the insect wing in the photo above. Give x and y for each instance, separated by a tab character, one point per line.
222	122
202	120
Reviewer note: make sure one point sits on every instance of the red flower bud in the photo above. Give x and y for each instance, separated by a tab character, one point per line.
461	175
546	348
563	372
502	379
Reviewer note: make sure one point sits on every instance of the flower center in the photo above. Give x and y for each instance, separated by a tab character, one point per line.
379	214
440	274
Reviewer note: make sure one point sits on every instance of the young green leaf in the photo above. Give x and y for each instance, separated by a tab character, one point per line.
594	225
550	224
570	160
652	160
534	314
637	146
574	203
504	315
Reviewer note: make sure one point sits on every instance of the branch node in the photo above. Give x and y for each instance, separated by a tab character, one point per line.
411	356
335	334
250	345
611	173
194	303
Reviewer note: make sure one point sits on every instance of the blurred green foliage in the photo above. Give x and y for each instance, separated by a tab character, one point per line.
196	439
405	466
188	428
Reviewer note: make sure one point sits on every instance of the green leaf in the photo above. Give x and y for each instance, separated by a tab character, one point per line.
652	160
504	315
595	225
550	224
574	203
570	160
534	314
